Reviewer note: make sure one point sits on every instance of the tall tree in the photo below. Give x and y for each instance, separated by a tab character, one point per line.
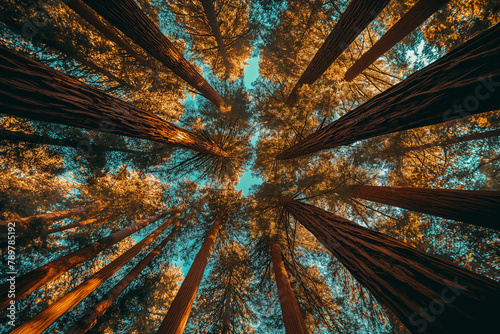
177	316
481	208
426	293
77	224
353	20
131	20
466	79
22	77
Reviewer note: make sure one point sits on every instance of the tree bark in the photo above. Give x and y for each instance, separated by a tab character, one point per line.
77	224
428	294
351	23
462	83
34	279
480	208
33	90
208	7
131	20
227	312
177	316
410	21
93	315
48	316
109	32
292	317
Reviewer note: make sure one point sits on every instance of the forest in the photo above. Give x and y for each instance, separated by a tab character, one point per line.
250	166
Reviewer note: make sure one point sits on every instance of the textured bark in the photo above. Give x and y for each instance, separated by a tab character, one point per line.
227	311
428	294
292	317
48	316
410	21
33	90
91	17
355	19
481	208
208	7
93	315
131	20
77	224
442	91
34	279
177	316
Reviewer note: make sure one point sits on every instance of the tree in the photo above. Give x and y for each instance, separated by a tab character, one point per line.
177	316
80	223
466	69
406	280
22	76
355	18
131	20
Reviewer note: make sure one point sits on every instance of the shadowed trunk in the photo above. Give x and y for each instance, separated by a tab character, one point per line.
177	316
462	83
428	294
227	311
480	208
351	23
34	279
131	20
77	224
410	21
33	90
48	316
93	19
208	7
93	315
292	317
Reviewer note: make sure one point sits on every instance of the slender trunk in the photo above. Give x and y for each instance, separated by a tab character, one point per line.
208	7
481	208
292	317
48	316
356	17
34	279
227	312
417	15
428	294
459	84
92	316
33	90
93	19
77	224
177	316
131	20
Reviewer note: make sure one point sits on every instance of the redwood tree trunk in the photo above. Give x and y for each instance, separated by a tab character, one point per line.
177	316
131	20
34	279
227	311
93	315
292	317
417	15
481	208
356	17
48	316
208	7
462	83
77	224
428	294
91	17
33	90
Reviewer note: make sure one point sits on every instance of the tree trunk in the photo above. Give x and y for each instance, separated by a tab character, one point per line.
410	21
48	316
93	315
131	20
33	90
459	84
77	224
227	311
351	23
93	19
428	294
177	316
34	279
480	208
292	317
208	7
